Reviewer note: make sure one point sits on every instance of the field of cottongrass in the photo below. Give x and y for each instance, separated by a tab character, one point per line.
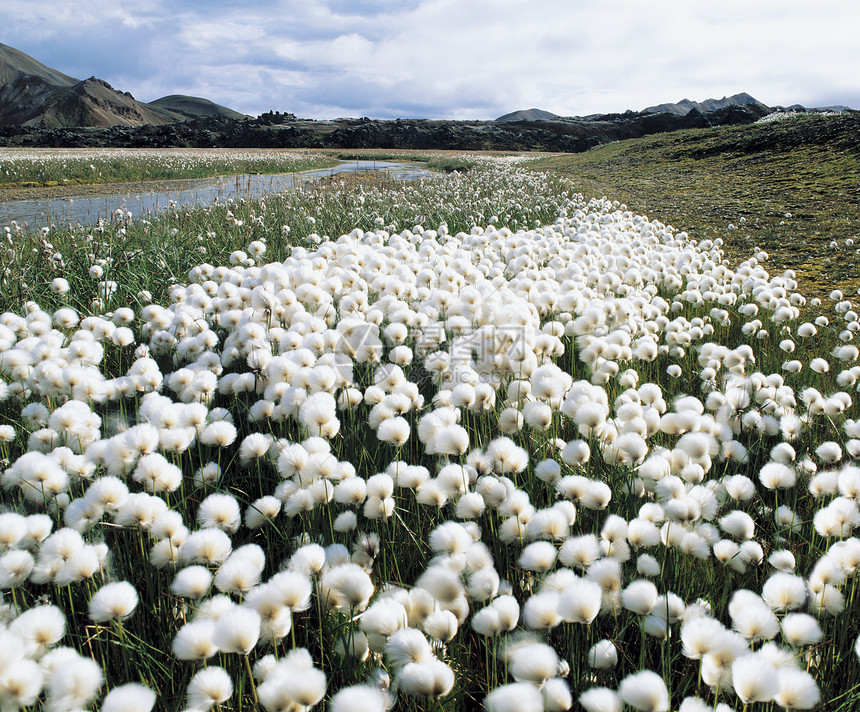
468	442
40	167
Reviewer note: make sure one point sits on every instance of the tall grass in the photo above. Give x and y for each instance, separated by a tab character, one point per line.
53	167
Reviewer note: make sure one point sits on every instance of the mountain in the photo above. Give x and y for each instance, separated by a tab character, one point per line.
26	84
94	102
685	106
32	94
193	107
529	115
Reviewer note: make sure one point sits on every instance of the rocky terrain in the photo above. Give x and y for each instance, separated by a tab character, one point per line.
285	131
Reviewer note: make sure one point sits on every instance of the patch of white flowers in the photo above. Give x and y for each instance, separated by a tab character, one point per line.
554	425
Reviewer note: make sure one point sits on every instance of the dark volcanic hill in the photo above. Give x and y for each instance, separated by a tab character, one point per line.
32	94
528	115
94	102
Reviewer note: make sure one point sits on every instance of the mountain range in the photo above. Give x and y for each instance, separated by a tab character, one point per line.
679	108
33	94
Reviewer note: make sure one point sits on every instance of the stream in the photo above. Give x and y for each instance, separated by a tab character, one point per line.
88	210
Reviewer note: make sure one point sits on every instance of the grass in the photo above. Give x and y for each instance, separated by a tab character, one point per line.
64	167
739	183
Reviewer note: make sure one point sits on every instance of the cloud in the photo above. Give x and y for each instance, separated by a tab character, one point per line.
448	58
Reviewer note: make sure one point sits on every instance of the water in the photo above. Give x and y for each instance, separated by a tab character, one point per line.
87	210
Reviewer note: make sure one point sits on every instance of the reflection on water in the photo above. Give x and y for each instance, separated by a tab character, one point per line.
87	210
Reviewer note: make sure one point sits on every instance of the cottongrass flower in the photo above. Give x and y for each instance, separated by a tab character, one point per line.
640	597
450	439
407	645
755	679
538	556
483	582
776	475
394	431
237	631
647	565
219	511
384	618
829	452
262	510
209	687
696	704
346	587
580	601
738	524
755	621
72	683
195	640
22	683
220	433
432	678
532	662
238	574
784	592
645	691
15	568
359	698
699	635
441	582
514	697
13	528
131	697
800	629
292	683
113	601
540	611
557	696
500	616
157	474
206	546
603	655
782	560
600	699
254	447
579	551
441	625
797	689
39	627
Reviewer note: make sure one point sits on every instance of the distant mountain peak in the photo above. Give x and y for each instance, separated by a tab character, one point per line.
529	115
685	106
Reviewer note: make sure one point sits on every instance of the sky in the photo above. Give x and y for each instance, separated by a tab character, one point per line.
449	59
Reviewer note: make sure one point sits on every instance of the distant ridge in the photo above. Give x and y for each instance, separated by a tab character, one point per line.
529	115
33	94
193	107
685	106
